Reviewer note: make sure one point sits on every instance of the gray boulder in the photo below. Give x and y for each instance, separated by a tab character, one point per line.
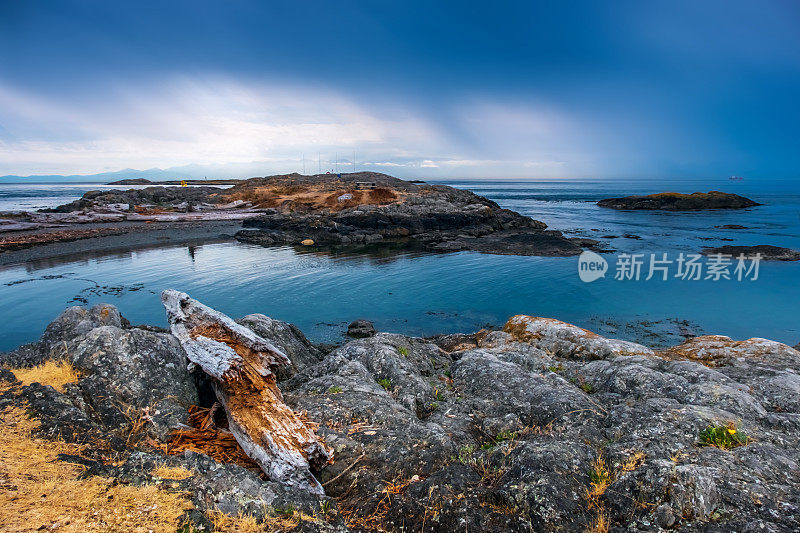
288	338
60	334
130	374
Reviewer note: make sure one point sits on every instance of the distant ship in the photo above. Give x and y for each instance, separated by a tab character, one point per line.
736	178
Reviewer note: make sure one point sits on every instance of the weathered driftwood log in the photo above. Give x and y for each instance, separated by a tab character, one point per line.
241	363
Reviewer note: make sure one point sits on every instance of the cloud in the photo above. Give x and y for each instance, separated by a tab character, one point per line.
217	121
185	122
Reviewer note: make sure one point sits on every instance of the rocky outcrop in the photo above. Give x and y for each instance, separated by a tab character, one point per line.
148	196
766	251
543	426
61	333
438	218
672	201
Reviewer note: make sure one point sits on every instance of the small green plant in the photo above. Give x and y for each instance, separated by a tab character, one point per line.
286	512
438	395
465	454
489	446
725	436
433	406
556	368
599	474
587	388
447	373
403	351
386	383
336	389
506	435
325	507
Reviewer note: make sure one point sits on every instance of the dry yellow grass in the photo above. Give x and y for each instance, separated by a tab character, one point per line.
244	523
600	480
53	373
633	461
172	472
37	491
598	525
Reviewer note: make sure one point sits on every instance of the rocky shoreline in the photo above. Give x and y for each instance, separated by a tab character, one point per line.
326	211
541	426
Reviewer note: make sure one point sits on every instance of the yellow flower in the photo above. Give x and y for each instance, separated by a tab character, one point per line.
732	431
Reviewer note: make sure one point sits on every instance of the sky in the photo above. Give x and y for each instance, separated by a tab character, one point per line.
604	89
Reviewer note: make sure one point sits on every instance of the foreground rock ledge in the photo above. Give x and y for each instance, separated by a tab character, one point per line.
544	426
240	363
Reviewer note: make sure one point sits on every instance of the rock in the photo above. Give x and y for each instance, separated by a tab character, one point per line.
541	426
767	252
288	338
231	489
672	201
132	373
157	195
241	364
59	417
59	334
436	217
714	350
732	226
360	328
566	340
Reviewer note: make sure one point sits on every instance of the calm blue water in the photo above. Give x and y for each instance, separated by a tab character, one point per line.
429	294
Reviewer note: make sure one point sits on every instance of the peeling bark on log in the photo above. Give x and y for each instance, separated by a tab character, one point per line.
240	363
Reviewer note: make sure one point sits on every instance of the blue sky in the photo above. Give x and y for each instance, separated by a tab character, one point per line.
459	89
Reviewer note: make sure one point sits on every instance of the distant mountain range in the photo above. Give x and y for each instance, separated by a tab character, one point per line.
194	172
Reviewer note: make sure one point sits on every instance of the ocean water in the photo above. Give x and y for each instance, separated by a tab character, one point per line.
426	294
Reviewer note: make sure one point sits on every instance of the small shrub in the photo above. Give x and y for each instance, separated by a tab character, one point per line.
386	383
723	436
336	389
403	351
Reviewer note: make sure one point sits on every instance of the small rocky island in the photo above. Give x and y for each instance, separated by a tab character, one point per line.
767	252
371	208
673	201
245	425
